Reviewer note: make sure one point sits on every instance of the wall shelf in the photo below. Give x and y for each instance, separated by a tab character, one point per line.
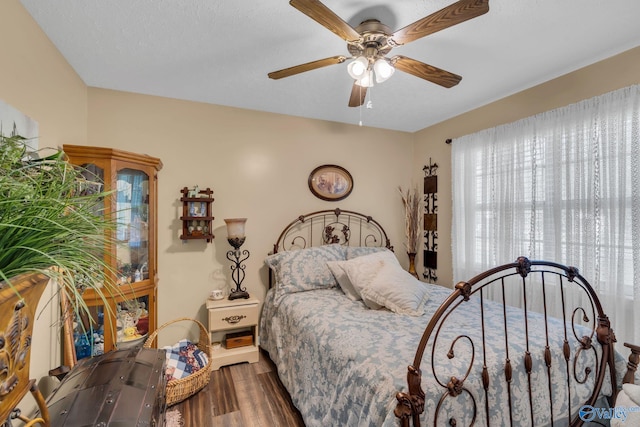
197	214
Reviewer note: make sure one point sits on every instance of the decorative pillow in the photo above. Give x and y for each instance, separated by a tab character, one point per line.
361	271
183	359
337	268
394	288
356	251
304	269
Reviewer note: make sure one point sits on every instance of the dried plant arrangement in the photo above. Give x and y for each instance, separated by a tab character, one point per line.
412	203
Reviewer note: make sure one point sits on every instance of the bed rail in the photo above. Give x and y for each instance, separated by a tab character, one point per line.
554	298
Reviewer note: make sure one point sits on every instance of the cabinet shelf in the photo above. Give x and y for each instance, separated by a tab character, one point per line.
197	199
197	218
197	215
129	291
198	237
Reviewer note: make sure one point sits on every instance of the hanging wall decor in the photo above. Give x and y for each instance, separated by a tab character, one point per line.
430	254
330	182
197	214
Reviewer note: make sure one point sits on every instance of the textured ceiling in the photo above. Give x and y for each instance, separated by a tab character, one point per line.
220	52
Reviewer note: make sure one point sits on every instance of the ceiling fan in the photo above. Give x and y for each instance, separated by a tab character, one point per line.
371	41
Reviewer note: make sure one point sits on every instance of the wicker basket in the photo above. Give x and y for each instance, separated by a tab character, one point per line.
179	390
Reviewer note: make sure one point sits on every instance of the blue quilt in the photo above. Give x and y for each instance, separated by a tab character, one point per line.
183	359
343	363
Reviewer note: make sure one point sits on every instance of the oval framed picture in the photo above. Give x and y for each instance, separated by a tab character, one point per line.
330	182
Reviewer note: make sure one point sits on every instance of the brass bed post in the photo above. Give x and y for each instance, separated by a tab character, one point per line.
411	405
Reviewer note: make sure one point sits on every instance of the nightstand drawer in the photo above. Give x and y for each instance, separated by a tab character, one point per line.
233	317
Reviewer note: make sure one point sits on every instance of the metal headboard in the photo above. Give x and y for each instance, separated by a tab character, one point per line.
325	227
347	228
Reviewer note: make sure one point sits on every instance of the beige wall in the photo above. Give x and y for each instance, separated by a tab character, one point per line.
36	79
258	165
605	76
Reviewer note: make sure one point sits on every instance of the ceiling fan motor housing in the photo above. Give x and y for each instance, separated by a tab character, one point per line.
373	43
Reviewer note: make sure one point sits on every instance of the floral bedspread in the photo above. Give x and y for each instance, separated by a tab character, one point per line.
343	363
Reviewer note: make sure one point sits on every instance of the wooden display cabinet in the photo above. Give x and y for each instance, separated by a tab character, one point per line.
197	214
132	252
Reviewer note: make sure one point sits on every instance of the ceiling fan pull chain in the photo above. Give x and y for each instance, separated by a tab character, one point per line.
360	110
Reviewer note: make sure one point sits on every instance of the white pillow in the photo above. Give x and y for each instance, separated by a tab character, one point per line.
339	272
382	282
397	290
337	268
361	271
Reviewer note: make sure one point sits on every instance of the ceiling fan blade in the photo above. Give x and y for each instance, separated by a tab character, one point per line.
358	94
456	13
325	17
307	67
425	71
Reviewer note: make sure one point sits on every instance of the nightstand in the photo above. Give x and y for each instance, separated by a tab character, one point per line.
232	316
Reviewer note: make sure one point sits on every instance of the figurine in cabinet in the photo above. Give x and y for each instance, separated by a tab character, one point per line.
194	192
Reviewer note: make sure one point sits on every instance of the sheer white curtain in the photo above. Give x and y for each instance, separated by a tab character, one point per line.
561	186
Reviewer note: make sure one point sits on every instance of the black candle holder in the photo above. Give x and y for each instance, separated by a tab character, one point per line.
237	257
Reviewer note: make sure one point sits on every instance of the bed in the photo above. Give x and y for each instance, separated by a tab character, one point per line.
473	357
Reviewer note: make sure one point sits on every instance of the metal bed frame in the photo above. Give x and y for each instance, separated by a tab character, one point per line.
550	280
587	323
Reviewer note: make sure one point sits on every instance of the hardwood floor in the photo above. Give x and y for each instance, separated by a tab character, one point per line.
242	395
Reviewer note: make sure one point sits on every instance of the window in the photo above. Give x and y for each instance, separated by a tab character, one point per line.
562	186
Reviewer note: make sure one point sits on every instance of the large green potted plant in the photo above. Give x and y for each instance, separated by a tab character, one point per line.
51	227
50	223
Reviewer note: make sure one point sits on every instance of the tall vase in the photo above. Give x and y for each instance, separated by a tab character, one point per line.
412	264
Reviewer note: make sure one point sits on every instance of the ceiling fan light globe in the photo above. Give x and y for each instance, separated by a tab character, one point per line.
358	67
366	80
383	70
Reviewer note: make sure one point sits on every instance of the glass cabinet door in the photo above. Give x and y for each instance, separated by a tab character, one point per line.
132	234
132	322
132	327
94	182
